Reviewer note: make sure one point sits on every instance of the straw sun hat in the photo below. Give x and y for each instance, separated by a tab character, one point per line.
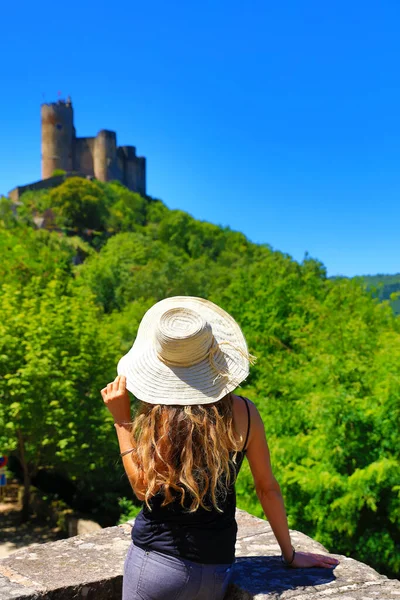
187	351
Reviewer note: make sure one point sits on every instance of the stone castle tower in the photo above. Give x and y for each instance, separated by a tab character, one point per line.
98	156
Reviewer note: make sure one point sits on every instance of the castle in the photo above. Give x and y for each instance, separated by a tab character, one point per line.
98	157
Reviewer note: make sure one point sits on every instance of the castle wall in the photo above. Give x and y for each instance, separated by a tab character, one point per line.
134	169
128	158
84	155
44	184
131	174
141	181
57	137
121	163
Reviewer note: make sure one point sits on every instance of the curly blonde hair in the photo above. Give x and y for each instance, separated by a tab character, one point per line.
185	450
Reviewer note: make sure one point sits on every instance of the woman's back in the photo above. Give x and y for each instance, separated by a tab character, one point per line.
204	536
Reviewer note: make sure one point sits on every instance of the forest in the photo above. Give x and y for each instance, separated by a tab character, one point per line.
80	265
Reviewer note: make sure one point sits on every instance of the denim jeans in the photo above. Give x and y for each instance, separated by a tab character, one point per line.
151	575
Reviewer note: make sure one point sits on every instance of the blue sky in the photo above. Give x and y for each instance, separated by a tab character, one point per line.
279	119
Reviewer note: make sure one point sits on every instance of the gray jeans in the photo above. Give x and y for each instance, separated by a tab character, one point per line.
150	575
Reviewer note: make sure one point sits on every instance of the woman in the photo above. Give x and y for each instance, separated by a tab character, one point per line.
184	449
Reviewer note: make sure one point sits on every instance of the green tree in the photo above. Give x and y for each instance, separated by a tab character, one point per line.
55	356
7	217
132	267
79	204
127	209
28	253
327	352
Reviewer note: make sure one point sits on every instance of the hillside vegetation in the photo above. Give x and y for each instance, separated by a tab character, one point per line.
327	379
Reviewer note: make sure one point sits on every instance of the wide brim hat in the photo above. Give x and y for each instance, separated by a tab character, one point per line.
187	351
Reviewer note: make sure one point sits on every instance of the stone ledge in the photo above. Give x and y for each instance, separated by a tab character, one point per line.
90	567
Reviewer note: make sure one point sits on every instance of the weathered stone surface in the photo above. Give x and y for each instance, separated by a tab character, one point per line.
75	567
260	574
90	567
11	589
81	526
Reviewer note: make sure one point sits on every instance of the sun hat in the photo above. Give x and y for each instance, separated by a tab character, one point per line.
187	351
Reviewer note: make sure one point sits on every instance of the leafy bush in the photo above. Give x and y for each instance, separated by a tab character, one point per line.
128	510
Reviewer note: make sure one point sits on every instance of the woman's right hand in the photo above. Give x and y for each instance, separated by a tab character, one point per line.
304	560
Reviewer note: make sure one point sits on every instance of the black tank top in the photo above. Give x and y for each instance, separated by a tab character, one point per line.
203	536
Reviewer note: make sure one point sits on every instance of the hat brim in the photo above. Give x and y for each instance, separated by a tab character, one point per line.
153	381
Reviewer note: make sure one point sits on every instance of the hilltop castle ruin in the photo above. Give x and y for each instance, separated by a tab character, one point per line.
98	157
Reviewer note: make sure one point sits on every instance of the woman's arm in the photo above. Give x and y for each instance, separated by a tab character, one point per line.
116	398
269	494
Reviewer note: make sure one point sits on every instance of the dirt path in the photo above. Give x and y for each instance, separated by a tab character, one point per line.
13	533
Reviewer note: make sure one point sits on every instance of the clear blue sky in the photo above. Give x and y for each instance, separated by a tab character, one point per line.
279	119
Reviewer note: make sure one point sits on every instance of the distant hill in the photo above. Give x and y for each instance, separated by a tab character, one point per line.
383	286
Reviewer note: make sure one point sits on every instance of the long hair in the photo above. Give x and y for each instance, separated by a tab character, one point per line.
185	452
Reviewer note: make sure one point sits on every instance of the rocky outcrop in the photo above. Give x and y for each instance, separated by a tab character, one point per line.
90	566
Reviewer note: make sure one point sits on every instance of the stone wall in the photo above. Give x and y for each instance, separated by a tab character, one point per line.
90	567
83	156
43	184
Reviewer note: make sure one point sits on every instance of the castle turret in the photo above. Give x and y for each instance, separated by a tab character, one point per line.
105	154
58	136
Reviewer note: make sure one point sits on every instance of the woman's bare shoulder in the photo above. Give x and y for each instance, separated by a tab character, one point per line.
241	416
257	450
239	407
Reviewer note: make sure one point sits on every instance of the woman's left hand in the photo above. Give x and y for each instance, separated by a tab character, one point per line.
305	560
116	398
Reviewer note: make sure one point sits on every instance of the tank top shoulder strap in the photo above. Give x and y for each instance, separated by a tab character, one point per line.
248	423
